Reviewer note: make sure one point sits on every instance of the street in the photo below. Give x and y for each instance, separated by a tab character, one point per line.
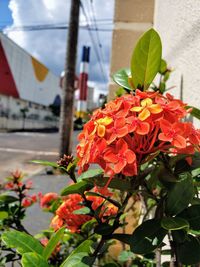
19	148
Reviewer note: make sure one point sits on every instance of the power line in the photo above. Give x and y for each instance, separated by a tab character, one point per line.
93	42
49	27
96	29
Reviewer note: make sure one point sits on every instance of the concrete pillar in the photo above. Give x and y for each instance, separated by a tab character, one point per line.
131	19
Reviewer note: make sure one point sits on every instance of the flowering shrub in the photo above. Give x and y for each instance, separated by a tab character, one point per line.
148	153
14	202
131	128
65	214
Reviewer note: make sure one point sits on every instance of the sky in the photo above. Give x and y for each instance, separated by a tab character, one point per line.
49	46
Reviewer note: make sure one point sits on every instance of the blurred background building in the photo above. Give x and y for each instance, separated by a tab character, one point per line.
28	89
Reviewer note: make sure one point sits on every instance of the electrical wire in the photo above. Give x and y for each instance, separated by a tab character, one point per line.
93	42
97	30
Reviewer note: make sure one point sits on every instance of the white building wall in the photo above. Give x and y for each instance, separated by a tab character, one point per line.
29	87
178	23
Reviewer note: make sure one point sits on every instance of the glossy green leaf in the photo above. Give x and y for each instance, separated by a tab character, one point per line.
103	229
180	195
22	242
174	223
32	259
195	112
122	77
3	215
77	188
179	236
88	226
189	251
146	59
56	237
8	199
192	215
45	163
94	173
84	210
79	256
115	183
147	237
163	66
125	238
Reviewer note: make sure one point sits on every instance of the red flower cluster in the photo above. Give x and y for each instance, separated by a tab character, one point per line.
65	215
47	200
29	200
20	188
131	128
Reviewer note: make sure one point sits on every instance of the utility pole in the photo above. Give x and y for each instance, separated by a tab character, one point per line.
67	110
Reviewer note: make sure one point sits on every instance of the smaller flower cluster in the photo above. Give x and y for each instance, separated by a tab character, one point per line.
21	188
65	161
47	200
133	128
65	213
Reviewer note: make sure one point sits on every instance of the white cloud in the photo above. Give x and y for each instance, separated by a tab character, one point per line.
50	46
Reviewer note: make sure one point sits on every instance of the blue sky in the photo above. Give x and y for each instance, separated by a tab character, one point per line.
5	13
49	46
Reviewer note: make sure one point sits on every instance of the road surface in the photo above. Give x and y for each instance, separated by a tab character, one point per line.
19	148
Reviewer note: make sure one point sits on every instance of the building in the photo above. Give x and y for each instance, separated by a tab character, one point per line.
27	88
177	23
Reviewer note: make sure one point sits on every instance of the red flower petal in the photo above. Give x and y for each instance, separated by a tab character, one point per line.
142	128
179	141
130	156
119	165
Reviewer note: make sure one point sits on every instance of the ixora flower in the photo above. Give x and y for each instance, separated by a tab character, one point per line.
47	200
121	136
65	213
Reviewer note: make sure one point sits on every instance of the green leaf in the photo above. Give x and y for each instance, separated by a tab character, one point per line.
95	173
175	223
147	237
56	237
77	188
111	264
32	259
125	256
146	59
45	163
163	66
195	112
189	251
115	183
120	91
8	199
84	210
125	238
179	236
79	256
180	195
122	77
192	215
88	226
103	229
3	215
22	242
